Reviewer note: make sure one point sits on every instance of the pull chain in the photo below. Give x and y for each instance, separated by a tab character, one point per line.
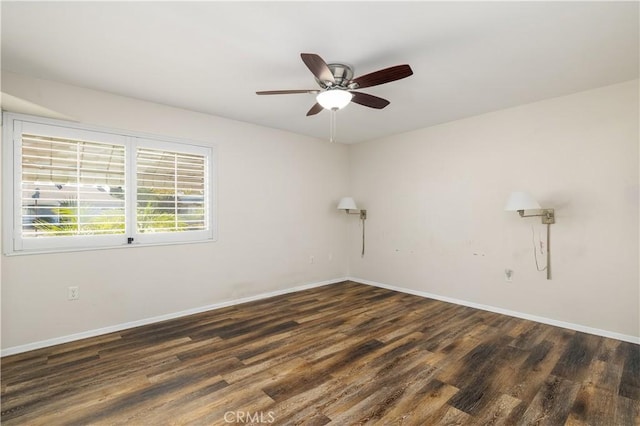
332	125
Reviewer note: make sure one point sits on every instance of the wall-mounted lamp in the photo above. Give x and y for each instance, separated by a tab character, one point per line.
520	201
349	206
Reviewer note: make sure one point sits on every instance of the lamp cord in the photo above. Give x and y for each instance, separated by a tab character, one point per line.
362	238
535	256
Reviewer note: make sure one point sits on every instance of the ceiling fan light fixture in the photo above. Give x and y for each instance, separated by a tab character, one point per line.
333	99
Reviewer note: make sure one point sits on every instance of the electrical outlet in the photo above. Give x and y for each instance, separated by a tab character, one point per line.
508	275
73	293
312	259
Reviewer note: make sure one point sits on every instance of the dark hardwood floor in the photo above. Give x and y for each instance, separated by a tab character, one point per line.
341	354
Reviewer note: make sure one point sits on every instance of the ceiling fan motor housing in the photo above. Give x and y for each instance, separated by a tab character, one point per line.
342	75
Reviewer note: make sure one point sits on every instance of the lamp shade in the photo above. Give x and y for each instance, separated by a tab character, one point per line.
334	98
520	200
347	203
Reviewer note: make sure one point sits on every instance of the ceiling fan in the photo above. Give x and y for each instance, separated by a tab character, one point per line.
337	85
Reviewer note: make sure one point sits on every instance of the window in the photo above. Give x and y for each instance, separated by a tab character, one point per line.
72	187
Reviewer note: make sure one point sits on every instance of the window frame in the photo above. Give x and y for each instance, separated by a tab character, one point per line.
14	124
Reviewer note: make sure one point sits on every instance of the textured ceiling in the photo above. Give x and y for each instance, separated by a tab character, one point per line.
468	58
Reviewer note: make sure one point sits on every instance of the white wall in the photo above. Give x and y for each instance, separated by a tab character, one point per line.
436	222
435	200
276	207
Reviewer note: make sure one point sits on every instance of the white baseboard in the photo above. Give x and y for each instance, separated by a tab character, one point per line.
543	320
118	327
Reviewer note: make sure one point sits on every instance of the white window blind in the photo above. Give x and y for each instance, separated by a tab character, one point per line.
71	187
170	191
68	186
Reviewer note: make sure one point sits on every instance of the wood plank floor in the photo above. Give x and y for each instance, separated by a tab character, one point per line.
341	354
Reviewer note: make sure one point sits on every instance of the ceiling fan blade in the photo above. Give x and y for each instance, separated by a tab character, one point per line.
316	108
369	100
285	92
382	76
317	66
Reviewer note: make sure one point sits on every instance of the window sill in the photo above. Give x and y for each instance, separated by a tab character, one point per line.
117	247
